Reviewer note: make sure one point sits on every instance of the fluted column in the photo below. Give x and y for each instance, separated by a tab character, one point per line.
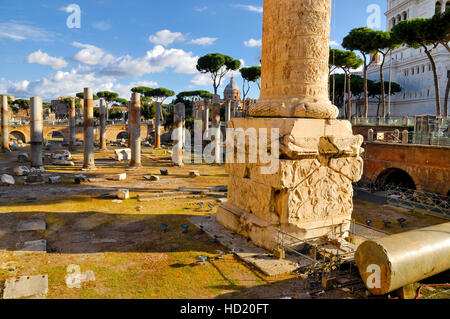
295	54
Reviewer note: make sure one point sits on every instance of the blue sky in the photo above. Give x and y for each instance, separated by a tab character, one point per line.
122	44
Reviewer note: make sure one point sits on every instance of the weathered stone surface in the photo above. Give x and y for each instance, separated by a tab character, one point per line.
123	154
194	174
34	179
295	54
54	179
121	177
23	158
21	171
35	246
7	180
309	195
37	170
25	287
123	194
80	178
152	178
32	224
63	163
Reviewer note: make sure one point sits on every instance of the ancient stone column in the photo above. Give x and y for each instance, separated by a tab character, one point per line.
72	125
179	117
228	111
36	132
5	120
89	160
216	111
158	126
305	189
135	121
205	115
130	130
102	124
295	53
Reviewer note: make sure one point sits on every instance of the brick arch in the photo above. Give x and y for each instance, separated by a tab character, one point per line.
18	135
396	175
61	129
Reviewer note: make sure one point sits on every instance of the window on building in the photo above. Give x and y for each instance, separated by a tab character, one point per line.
429	67
438	8
423	68
405	15
412	71
428	93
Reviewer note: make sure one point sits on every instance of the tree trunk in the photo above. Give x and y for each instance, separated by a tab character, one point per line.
349	104
436	82
383	92
446	46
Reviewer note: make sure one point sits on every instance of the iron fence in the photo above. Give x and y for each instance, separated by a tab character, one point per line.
414	199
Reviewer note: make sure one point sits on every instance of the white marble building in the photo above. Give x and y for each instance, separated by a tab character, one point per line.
410	67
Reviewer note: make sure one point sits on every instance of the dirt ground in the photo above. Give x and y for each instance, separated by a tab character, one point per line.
124	243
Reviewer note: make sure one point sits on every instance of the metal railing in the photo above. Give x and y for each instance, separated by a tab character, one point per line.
319	258
415	199
387	121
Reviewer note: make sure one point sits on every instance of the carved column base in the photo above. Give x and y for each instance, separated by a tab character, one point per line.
294	108
309	195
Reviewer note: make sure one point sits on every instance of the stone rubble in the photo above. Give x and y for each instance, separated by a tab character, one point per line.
6	179
123	194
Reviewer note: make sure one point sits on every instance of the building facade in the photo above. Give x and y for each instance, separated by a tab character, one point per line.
411	68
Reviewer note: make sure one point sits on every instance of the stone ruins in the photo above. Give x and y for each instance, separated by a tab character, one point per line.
311	194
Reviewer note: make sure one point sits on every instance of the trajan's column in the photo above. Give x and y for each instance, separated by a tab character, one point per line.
311	193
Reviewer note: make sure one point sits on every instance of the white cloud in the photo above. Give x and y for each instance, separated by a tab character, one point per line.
43	58
249	8
201	9
253	43
334	44
166	37
203	41
58	84
20	31
202	79
101	25
91	54
156	60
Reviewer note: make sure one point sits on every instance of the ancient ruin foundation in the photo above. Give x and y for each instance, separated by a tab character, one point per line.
311	194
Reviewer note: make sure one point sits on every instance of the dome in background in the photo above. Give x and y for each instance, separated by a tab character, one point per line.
232	91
